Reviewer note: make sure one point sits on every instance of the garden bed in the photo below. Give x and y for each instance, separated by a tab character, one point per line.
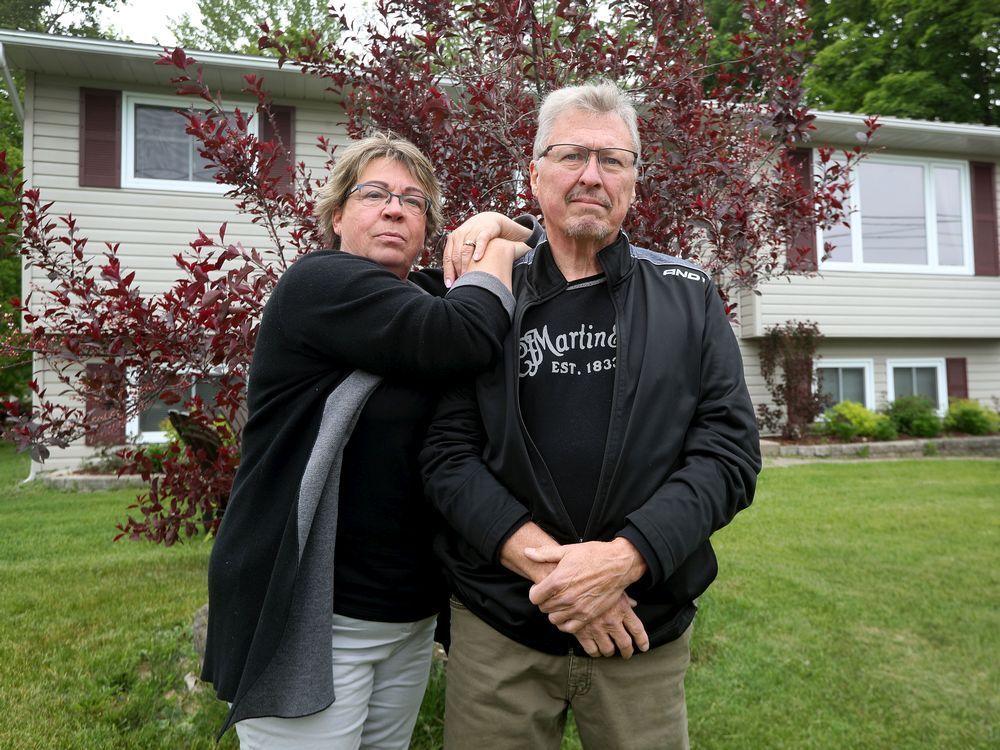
823	447
808	447
79	481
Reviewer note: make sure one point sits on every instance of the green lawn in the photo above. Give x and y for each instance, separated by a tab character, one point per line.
95	638
858	606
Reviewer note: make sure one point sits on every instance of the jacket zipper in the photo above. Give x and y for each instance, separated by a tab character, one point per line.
602	492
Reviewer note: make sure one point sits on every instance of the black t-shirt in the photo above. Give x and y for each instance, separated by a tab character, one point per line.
384	567
567	354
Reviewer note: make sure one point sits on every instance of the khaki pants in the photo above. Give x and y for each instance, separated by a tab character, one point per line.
505	696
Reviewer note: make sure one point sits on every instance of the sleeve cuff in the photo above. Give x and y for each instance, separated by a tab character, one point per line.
537	231
654	570
490	283
507	535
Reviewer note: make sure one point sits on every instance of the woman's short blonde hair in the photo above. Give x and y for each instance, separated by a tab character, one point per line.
351	163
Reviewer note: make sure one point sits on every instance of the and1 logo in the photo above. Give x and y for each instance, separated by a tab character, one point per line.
692	275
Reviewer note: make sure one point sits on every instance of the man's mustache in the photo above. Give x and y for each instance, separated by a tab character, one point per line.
580	193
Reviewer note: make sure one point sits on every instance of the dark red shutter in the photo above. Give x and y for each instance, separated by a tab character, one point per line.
105	420
958	383
802	255
283	130
984	219
100	138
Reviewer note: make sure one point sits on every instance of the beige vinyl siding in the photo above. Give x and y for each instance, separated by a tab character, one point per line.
751	372
884	316
867	304
876	305
312	121
982	362
150	226
60	459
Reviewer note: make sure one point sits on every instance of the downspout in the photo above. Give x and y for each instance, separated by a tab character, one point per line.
15	101
11	88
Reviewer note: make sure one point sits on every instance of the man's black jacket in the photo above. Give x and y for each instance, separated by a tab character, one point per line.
681	458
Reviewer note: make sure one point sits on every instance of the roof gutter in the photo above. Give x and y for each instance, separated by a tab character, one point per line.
15	100
931	127
134	50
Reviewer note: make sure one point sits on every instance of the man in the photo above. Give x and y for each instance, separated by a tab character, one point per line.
582	478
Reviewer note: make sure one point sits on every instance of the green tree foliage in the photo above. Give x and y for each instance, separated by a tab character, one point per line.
67	17
232	25
726	17
926	59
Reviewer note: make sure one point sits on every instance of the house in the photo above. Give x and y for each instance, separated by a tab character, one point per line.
909	301
103	141
909	298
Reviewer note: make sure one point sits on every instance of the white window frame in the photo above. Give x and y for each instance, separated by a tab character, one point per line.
868	365
128	178
856	218
134	434
942	379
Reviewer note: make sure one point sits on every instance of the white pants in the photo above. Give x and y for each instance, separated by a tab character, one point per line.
380	672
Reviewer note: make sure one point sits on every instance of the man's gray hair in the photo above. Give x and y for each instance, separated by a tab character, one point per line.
600	97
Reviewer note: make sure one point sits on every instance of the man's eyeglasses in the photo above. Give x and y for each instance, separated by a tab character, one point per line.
374	195
573	158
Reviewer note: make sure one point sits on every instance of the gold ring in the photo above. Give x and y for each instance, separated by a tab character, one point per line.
467	242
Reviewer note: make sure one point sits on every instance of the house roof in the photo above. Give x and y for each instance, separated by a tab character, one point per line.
132	63
128	62
900	134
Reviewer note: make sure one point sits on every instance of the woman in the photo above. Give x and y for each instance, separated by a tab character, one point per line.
326	534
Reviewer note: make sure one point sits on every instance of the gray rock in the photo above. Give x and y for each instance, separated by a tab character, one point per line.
199	629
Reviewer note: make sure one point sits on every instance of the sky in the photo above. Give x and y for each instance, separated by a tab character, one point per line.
146	20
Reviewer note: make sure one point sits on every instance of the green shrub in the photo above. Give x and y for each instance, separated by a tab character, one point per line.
884	429
849	420
914	415
156	453
841	421
971	417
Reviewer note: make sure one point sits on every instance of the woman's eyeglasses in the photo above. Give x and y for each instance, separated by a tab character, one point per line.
374	195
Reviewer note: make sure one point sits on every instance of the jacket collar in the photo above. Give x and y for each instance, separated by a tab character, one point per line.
544	275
